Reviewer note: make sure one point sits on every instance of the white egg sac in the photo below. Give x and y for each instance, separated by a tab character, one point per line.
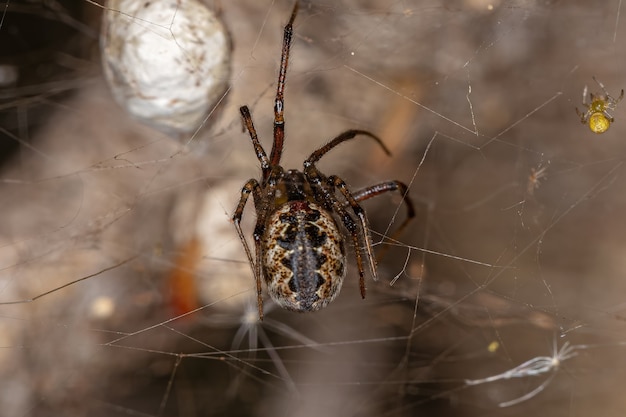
167	62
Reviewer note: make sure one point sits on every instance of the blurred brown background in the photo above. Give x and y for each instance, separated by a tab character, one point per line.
518	244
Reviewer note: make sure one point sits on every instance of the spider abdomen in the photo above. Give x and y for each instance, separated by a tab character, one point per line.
304	256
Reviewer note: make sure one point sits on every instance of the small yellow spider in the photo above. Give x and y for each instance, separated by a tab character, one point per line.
597	116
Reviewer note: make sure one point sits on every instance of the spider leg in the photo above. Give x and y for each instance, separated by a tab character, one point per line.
383	187
585	95
601	85
349	223
335	181
583	116
279	102
608	116
324	193
258	149
347	135
614	101
252	186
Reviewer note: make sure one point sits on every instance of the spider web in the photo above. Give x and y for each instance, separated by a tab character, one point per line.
124	287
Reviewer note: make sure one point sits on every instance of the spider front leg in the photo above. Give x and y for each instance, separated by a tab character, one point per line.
609	98
258	149
584	116
279	102
252	186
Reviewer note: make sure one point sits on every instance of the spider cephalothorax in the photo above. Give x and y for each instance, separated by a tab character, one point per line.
299	248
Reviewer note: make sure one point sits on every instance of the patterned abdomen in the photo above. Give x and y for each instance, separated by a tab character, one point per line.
304	258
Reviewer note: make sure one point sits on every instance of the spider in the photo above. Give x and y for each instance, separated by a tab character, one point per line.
597	116
534	179
299	249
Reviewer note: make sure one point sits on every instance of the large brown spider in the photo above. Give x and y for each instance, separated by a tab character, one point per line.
299	250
